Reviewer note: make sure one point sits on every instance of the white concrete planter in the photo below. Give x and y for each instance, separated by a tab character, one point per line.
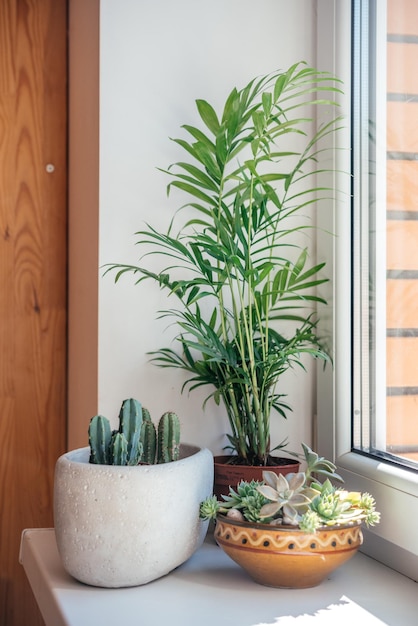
125	526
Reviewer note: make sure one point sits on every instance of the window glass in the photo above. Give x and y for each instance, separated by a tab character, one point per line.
385	230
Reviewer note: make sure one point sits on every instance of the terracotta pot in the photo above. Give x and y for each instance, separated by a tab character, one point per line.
229	475
284	556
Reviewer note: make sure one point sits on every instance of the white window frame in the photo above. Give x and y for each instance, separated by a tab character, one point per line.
395	540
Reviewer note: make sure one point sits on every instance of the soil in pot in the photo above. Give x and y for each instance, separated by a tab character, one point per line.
229	474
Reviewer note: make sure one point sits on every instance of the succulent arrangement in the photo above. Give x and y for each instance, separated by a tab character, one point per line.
137	440
298	499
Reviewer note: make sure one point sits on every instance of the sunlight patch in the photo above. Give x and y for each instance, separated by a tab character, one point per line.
344	612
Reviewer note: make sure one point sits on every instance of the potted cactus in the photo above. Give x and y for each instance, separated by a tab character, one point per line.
111	500
291	531
136	440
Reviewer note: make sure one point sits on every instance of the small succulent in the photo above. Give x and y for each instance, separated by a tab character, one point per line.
297	499
338	506
316	464
136	440
247	500
288	496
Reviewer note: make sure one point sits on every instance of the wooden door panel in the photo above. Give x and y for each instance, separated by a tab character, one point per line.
33	257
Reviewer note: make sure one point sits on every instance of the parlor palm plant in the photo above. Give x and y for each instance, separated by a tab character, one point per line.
245	289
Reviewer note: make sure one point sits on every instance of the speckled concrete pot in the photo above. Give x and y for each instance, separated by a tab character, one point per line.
125	526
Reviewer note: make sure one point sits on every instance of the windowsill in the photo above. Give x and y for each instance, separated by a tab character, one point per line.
211	589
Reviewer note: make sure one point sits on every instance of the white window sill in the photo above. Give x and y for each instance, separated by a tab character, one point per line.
211	589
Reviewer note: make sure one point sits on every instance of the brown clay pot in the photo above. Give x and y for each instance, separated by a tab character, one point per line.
229	475
285	556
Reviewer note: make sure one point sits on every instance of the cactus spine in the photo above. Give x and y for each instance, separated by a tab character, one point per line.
136	440
168	438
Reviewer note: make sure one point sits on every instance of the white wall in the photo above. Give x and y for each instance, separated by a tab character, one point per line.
156	58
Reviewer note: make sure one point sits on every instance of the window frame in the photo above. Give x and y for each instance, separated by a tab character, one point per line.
395	540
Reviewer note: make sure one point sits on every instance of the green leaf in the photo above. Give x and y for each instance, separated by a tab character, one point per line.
278	87
208	115
192	190
259	122
230	116
206	157
266	99
221	147
200	137
200	177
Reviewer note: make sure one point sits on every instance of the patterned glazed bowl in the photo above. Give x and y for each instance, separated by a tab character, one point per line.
284	556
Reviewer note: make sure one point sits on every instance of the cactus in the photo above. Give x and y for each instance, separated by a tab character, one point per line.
146	417
130	422
119	449
136	440
99	439
168	438
148	439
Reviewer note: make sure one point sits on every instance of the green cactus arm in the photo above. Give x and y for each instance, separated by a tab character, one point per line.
136	439
130	421
119	449
148	439
168	438
135	457
99	439
146	417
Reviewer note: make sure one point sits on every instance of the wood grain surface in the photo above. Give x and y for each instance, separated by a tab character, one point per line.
33	225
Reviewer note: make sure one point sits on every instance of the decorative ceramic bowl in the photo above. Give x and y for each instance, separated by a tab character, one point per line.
284	556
